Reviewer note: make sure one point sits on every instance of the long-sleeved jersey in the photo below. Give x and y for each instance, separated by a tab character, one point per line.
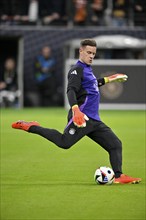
83	89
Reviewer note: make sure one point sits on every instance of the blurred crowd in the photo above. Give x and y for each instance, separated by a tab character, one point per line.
44	79
73	12
9	92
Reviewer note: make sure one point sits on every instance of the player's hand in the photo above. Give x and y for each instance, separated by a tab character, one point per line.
79	118
119	77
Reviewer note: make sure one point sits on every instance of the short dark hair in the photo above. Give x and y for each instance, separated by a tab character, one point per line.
88	42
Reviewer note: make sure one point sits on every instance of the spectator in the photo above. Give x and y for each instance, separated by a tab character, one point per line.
52	12
45	76
139	13
98	7
14	11
120	13
89	13
80	11
8	84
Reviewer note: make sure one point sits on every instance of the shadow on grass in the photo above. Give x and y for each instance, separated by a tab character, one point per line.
63	184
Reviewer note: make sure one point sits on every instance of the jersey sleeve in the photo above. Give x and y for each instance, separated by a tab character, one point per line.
72	97
74	84
101	82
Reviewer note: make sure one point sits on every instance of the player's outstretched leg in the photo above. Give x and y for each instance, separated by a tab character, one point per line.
50	134
65	140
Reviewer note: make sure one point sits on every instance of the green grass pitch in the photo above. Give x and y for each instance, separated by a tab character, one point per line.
42	182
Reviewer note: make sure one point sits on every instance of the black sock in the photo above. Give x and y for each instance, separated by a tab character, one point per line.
117	174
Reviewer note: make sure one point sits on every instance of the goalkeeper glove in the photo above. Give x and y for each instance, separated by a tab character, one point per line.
119	77
79	118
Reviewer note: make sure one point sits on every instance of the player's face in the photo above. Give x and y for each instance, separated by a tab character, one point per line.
87	54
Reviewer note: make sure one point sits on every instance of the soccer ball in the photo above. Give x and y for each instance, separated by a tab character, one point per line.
104	175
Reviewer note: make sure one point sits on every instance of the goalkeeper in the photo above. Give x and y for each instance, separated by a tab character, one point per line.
83	117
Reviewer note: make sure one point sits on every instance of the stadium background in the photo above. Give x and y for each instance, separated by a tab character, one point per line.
35	36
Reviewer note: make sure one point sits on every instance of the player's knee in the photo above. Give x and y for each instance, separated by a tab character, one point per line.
118	145
65	143
65	146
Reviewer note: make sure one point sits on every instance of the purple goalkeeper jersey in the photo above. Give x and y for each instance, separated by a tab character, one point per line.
85	85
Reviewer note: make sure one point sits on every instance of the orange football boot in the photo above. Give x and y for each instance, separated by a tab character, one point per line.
23	125
124	179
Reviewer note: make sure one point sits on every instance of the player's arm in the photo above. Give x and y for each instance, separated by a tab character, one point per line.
79	118
74	84
119	77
